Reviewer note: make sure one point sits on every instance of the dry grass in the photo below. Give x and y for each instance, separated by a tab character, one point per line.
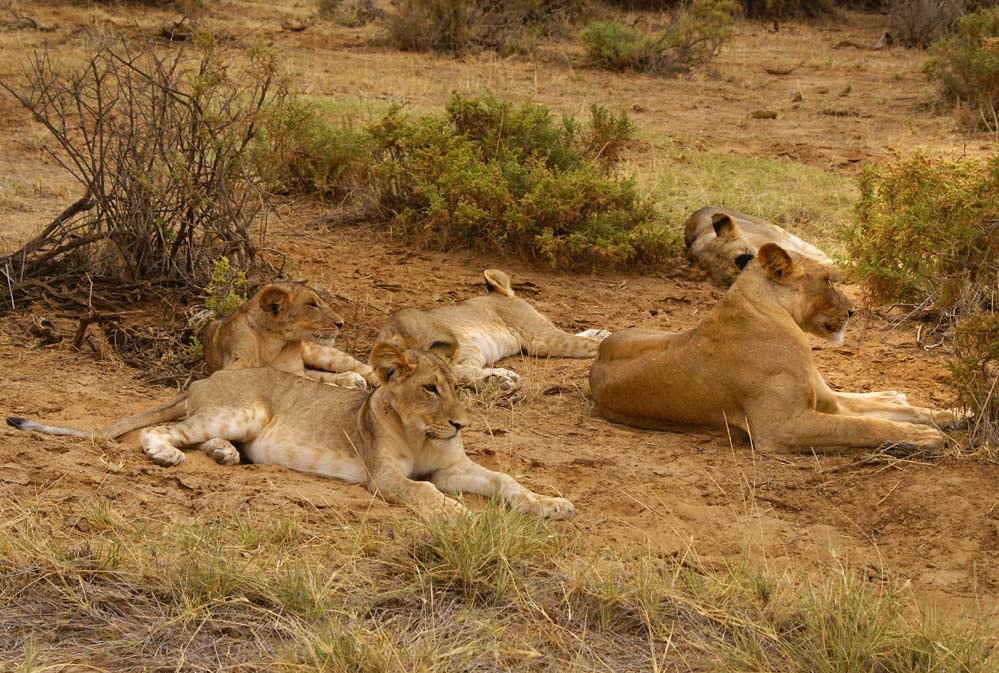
494	592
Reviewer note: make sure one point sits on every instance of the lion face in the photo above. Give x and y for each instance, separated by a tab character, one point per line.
725	254
419	387
298	313
813	299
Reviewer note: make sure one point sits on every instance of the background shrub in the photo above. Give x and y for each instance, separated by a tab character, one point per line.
457	26
786	9
917	23
967	67
350	13
296	151
926	237
493	176
692	39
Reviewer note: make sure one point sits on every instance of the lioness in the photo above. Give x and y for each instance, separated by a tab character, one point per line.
286	326
749	363
409	426
722	241
478	332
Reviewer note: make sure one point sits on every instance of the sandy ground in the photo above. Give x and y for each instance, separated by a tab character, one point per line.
935	525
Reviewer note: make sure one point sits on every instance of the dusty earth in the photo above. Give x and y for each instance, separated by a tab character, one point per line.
934	525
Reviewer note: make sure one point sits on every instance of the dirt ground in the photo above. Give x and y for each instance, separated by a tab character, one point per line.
934	525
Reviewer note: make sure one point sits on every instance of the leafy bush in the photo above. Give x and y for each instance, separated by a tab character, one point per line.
457	26
694	37
926	237
967	67
297	151
497	177
916	23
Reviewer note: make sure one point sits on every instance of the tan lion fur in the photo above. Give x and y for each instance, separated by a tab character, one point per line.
475	334
748	363
719	241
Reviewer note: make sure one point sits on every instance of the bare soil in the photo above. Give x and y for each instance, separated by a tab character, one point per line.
936	525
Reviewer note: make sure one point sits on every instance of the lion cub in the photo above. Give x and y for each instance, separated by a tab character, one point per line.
749	364
286	326
722	241
476	333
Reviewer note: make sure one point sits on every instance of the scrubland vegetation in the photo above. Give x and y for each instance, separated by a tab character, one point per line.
496	591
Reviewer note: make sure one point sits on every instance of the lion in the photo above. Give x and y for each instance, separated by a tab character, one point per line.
721	242
748	363
475	334
409	426
286	326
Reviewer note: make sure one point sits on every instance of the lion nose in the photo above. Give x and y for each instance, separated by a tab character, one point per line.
338	323
457	425
849	313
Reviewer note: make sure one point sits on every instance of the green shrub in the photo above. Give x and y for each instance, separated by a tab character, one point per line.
693	38
226	291
518	179
966	65
350	13
297	151
457	26
926	237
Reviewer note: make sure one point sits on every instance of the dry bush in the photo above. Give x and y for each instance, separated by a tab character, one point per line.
157	142
917	23
693	38
786	9
966	65
349	13
458	26
926	238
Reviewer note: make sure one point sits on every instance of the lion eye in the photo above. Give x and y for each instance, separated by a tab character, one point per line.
432	389
314	304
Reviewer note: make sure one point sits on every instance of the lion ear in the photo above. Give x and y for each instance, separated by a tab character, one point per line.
724	226
497	281
390	363
775	261
274	299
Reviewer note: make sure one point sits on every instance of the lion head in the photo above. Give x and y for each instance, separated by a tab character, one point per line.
808	292
411	328
297	313
725	254
420	387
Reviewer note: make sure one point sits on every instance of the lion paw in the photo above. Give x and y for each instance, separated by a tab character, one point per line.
163	455
548	508
353	380
598	334
948	420
927	438
221	451
504	380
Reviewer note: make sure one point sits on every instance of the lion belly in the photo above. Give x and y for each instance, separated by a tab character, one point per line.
493	341
296	450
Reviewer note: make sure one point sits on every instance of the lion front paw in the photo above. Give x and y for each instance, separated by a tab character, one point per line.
547	508
598	334
353	380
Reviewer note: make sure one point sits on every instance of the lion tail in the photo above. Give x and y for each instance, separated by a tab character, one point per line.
161	414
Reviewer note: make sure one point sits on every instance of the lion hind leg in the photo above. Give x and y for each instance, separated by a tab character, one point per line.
162	444
468	477
555	343
329	359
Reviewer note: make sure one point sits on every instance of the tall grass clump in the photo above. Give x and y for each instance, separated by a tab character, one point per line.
459	26
692	39
966	66
493	176
926	238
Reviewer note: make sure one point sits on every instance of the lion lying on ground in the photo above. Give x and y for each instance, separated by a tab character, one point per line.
722	241
281	326
749	364
409	426
478	332
286	326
